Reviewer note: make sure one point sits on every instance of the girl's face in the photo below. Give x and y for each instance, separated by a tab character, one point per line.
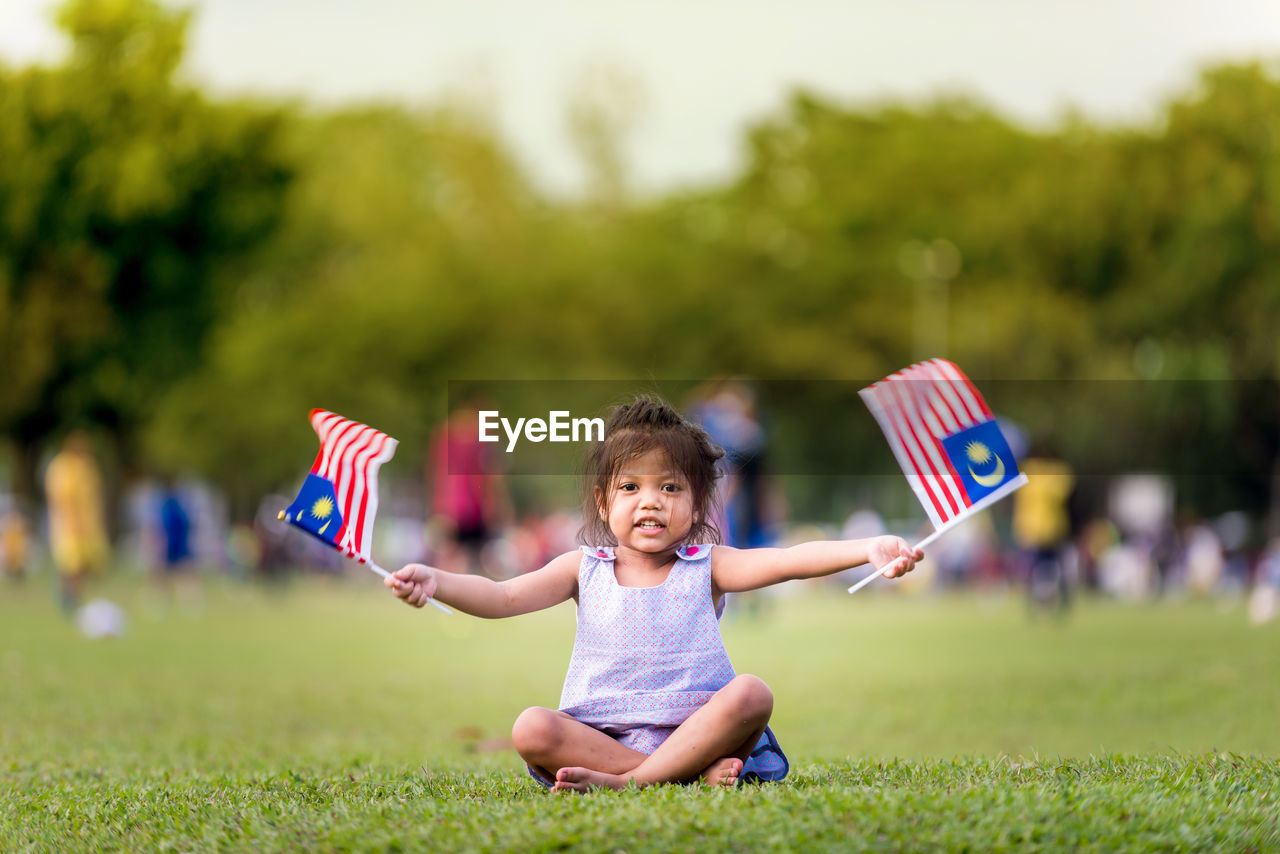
649	507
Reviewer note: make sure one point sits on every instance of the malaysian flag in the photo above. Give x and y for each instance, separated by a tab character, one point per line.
946	440
339	499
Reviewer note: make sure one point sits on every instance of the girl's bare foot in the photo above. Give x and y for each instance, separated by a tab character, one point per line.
723	772
584	780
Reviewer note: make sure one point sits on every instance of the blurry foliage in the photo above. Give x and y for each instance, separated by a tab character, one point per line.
206	272
125	198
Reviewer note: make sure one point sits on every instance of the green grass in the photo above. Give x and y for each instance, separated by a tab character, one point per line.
334	718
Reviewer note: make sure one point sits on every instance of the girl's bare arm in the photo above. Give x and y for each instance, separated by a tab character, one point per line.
484	597
738	570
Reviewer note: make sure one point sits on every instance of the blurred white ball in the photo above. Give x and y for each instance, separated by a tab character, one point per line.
101	619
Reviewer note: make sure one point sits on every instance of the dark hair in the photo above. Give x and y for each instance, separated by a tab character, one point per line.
634	429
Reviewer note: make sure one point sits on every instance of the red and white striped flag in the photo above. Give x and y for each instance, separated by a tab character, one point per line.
945	438
339	500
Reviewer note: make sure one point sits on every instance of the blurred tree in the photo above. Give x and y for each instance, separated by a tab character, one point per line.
1167	241
1209	296
603	108
409	256
1131	254
126	198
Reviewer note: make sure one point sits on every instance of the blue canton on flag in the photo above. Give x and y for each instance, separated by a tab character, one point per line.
315	510
981	458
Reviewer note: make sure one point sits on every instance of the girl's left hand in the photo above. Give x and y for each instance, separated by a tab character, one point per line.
893	556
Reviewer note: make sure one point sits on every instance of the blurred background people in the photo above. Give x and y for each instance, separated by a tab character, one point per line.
176	572
1264	599
727	410
747	506
1202	560
77	527
1042	529
175	528
15	543
470	506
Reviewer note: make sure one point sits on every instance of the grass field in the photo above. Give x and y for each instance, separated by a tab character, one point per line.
330	717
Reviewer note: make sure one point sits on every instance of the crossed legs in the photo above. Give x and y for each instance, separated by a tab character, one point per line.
712	744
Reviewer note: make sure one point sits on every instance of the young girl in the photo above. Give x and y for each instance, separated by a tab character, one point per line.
650	696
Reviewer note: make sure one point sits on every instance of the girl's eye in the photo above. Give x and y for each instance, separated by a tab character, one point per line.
627	487
671	487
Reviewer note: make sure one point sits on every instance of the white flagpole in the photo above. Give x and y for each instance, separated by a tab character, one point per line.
982	504
283	515
386	574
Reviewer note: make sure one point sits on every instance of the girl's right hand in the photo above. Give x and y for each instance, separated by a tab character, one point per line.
415	583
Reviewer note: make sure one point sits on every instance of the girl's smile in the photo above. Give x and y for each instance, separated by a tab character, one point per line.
649	525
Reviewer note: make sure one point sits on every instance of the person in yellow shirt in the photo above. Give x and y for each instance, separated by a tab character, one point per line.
77	529
1042	528
15	543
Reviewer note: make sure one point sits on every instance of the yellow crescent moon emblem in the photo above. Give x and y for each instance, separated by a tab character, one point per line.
989	480
980	453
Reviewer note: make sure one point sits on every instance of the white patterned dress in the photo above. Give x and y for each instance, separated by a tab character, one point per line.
646	658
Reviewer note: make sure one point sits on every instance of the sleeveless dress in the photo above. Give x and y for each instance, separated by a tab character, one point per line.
646	658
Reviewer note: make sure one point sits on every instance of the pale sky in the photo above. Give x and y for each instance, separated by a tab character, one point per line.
706	67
